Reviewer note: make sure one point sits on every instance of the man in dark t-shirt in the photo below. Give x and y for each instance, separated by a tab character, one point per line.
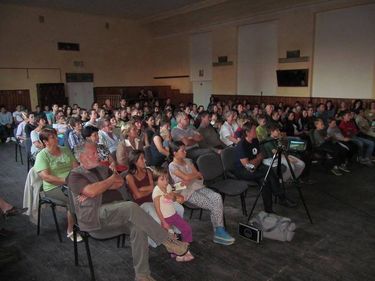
103	213
249	167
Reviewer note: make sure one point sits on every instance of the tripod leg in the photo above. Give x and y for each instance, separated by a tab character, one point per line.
262	186
295	181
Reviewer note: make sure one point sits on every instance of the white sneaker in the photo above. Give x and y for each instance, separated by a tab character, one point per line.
8	140
70	236
13	139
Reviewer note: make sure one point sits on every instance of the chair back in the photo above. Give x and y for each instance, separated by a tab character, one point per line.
148	154
66	137
210	166
228	158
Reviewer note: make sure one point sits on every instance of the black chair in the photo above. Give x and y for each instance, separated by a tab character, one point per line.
211	167
53	203
193	208
29	158
85	236
18	146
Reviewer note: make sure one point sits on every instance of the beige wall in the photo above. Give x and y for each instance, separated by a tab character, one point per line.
224	78
170	57
295	32
129	53
118	56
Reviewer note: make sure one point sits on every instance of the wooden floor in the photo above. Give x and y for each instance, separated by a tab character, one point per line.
340	245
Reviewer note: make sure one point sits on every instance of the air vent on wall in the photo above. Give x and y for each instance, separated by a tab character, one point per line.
63	46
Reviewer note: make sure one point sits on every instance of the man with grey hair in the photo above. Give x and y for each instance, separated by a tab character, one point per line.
102	211
189	136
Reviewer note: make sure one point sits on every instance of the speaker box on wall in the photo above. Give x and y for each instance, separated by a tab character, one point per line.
293	54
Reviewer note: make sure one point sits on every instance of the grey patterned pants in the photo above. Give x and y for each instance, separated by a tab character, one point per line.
208	199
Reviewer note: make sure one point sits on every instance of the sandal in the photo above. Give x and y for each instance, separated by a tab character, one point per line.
14	211
185	258
70	236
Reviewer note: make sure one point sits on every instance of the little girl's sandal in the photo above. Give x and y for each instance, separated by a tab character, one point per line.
185	258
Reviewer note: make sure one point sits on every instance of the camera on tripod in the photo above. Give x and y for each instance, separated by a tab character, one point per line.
290	144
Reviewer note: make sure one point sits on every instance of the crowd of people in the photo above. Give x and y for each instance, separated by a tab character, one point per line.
153	147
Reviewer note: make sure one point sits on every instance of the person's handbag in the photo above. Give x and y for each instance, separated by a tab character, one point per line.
274	227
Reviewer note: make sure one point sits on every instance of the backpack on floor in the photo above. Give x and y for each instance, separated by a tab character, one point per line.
274	227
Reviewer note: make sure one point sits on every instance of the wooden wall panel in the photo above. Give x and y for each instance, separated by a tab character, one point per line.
12	98
131	94
289	100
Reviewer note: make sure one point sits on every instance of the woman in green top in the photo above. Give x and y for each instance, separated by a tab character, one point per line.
53	164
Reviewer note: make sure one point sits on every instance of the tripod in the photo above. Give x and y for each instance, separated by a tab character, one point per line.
277	155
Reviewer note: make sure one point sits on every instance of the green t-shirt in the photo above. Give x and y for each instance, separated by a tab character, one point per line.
262	133
59	166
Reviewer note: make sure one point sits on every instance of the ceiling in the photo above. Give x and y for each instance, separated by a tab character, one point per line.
128	9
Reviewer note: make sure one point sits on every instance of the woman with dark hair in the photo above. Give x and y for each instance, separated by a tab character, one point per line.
183	172
150	129
53	164
357	105
159	145
68	111
330	109
139	178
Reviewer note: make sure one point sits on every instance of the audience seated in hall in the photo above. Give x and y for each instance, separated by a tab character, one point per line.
350	130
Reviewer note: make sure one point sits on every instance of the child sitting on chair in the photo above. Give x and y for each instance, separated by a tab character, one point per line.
164	197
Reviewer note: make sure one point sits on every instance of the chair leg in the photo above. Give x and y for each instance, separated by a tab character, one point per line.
38	225
16	150
56	223
118	241
200	214
123	241
21	158
191	213
75	246
86	240
243	203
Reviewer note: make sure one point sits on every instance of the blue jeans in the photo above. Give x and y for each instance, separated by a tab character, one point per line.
366	147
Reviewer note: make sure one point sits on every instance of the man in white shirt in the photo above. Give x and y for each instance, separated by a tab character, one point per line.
106	135
17	115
